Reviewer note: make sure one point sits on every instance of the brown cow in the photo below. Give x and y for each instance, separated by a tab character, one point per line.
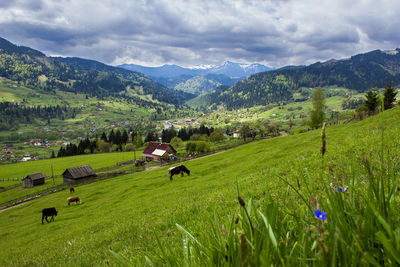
74	199
71	189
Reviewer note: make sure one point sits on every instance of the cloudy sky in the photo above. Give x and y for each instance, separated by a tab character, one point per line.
189	33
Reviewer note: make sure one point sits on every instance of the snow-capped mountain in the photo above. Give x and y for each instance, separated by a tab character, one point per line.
230	69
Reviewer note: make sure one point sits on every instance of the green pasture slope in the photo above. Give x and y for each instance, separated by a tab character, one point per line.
98	162
286	179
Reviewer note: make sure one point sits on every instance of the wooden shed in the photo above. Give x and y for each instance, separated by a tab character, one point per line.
33	180
78	174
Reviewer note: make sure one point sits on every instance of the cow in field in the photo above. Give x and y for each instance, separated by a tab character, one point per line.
47	213
73	199
178	169
71	189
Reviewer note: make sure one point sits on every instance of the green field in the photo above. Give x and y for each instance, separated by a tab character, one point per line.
128	214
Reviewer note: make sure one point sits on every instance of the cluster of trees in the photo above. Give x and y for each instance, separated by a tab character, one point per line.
114	141
373	101
11	114
352	103
184	134
197	147
84	147
371	104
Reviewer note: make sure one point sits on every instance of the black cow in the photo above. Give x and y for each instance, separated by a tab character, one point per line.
178	169
49	212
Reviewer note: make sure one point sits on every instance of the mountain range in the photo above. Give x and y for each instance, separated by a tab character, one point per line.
230	69
198	80
360	72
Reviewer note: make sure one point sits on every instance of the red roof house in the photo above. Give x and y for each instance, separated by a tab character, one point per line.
148	151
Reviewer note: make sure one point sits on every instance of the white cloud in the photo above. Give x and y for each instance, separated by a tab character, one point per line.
189	33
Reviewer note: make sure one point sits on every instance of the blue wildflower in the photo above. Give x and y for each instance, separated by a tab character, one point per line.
320	215
342	189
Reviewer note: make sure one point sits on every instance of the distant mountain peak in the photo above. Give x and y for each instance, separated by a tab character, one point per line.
228	68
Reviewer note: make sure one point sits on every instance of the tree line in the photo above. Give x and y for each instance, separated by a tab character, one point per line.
11	114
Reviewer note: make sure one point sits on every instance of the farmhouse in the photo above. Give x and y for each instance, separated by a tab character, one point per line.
236	134
33	180
78	174
158	151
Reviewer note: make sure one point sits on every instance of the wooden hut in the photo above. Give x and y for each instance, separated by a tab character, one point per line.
33	180
78	174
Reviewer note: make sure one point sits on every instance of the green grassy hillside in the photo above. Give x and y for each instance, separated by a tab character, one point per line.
127	213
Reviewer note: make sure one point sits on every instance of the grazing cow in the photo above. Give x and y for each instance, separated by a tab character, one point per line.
71	189
139	162
49	212
74	199
178	169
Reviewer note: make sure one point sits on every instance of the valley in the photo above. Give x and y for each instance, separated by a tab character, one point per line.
268	186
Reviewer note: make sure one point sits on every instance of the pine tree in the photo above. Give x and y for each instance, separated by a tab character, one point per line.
104	137
317	116
118	138
111	137
125	137
389	96
371	101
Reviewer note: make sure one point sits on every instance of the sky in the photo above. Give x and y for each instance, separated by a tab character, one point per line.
190	33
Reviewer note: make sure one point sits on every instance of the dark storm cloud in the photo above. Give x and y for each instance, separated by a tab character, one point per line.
201	32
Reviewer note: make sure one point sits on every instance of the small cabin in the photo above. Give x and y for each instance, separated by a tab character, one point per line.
33	180
78	174
161	150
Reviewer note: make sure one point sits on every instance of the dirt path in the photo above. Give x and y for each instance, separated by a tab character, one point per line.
23	203
157	167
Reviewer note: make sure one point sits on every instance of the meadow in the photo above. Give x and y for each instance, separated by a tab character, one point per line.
283	183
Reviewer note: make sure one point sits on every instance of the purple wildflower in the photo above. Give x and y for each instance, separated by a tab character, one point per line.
320	215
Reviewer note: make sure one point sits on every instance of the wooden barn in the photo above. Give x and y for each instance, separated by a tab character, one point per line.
33	180
156	151
78	174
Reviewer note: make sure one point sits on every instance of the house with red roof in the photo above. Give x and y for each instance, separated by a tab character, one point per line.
158	151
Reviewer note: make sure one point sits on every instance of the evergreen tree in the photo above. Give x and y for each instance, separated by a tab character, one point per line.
317	115
118	138
150	137
125	137
371	101
111	137
389	96
104	137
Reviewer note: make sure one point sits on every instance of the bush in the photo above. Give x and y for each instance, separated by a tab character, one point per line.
103	146
129	147
217	135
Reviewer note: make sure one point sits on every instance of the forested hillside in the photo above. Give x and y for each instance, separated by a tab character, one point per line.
360	73
32	68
